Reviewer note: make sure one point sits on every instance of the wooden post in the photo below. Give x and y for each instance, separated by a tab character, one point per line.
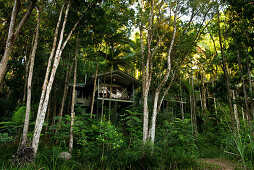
97	101
98	87
133	96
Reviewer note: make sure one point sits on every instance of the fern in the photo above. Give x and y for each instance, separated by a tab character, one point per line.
19	116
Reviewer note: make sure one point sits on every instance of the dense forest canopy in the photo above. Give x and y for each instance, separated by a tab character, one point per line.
184	92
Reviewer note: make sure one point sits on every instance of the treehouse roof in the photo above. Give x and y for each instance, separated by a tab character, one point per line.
118	77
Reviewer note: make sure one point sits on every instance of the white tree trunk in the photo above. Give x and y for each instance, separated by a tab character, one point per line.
157	92
13	36
236	113
148	74
50	61
73	98
41	113
9	42
29	82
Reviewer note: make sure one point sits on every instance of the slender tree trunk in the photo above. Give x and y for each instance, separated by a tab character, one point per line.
194	115
243	114
165	78
94	86
73	98
181	103
249	82
13	36
41	114
244	90
47	118
54	104
166	91
10	39
110	91
191	107
28	59
105	88
29	82
236	113
66	87
50	61
225	70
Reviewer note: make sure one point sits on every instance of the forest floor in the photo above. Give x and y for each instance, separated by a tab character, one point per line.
217	163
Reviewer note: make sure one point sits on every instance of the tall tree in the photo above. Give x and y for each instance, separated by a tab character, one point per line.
29	82
73	96
165	78
41	113
14	33
225	70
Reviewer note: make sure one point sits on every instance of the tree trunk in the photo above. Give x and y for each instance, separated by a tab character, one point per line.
166	91
28	59
146	79
249	79
10	39
94	86
194	115
13	36
102	105
41	115
66	87
181	102
73	98
29	82
225	70
54	104
236	113
50	61
165	78
244	90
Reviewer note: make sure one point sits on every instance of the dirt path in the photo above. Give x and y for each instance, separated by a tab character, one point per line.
216	163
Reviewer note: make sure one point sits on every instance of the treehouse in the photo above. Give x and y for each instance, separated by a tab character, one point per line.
115	86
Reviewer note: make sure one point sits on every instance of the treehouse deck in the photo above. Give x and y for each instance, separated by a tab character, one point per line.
114	86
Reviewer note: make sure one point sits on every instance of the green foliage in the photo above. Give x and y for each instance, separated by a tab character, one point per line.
241	148
19	115
176	142
4	137
133	123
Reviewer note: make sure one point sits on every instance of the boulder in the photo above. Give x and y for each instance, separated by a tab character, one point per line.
64	156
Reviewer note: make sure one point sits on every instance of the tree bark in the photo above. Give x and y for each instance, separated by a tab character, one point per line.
181	102
29	82
244	90
41	115
157	91
66	87
28	59
73	98
94	86
249	81
13	36
146	77
10	39
225	70
50	61
236	113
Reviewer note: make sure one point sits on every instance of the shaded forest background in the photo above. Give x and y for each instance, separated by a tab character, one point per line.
194	59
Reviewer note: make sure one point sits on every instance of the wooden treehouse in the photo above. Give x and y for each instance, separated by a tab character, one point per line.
114	86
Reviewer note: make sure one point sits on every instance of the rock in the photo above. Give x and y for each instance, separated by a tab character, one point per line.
64	156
